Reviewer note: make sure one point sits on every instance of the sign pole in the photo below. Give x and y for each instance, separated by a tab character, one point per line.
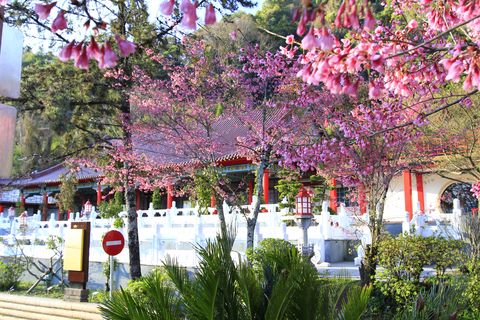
112	243
111	276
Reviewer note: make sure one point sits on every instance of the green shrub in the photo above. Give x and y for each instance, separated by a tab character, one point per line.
403	259
111	208
472	288
10	273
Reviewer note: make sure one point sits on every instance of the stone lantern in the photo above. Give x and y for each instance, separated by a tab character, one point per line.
304	216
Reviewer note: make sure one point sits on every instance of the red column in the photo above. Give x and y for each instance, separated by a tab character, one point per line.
361	200
169	196
1	210
333	196
265	186
420	194
407	189
45	207
99	194
22	200
213	204
137	199
250	191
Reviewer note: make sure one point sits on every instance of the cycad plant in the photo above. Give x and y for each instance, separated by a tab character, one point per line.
279	285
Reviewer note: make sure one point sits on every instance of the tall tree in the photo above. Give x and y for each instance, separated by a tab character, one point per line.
125	23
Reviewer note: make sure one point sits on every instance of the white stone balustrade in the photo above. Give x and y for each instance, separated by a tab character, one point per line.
175	231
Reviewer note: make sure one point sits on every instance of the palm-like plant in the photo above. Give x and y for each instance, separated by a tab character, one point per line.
280	285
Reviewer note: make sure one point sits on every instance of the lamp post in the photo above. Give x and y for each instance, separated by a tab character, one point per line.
304	216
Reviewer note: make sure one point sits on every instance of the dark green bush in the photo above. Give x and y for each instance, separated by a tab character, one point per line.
10	273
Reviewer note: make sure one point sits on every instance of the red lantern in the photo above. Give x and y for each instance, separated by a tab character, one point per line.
303	203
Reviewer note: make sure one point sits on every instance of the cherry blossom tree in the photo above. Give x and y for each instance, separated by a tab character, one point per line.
345	146
404	56
272	113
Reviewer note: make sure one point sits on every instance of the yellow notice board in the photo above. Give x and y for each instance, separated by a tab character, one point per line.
73	252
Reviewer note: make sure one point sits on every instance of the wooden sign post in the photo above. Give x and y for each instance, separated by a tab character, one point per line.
76	260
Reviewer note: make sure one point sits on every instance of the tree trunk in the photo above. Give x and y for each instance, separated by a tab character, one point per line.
369	263
252	221
133	242
221	215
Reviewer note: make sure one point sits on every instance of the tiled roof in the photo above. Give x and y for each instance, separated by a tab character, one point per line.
53	175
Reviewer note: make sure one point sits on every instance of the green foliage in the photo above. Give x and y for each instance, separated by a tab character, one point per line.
472	287
281	285
202	192
66	196
10	273
320	187
156	199
437	303
111	208
288	186
276	16
403	259
118	223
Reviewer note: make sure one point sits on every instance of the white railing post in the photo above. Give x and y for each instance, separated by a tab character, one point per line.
326	228
406	223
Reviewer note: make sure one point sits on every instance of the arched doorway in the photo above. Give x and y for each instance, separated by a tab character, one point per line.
459	191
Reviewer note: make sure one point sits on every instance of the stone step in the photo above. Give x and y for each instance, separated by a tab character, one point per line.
17	314
37	308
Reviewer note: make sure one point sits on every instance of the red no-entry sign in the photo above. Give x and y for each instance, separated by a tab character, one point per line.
113	242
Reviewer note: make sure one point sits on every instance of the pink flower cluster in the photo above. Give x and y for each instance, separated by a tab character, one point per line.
189	11
404	59
104	54
476	190
80	52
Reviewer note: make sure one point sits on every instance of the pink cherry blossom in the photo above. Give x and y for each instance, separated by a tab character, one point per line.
82	60
310	42
210	17
60	23
370	21
3	2
108	58
189	10
126	47
93	50
76	49
166	7
233	35
326	40
66	53
43	10
290	39
413	24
